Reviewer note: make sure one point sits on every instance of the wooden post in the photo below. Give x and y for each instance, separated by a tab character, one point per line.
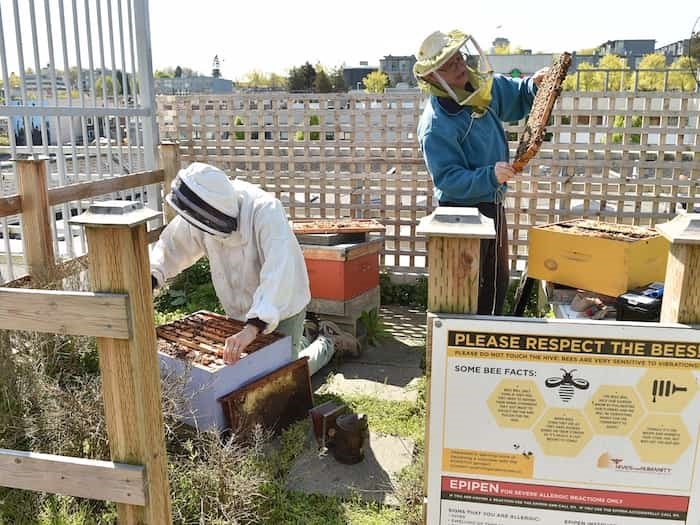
170	163
118	262
37	239
454	242
681	302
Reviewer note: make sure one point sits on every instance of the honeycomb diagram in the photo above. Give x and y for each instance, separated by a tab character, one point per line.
648	414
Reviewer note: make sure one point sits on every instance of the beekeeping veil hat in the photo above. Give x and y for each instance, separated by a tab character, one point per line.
205	197
436	50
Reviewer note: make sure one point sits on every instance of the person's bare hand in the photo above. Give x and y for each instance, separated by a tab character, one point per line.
539	75
237	343
504	172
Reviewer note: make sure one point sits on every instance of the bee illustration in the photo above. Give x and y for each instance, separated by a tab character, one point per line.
566	384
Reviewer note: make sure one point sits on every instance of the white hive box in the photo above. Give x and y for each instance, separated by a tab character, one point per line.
187	350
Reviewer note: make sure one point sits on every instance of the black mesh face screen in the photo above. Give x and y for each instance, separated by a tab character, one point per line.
199	210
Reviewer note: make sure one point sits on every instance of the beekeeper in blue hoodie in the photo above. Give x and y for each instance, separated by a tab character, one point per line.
464	144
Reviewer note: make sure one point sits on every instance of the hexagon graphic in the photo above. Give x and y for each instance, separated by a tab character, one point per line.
516	403
665	390
661	439
614	410
563	432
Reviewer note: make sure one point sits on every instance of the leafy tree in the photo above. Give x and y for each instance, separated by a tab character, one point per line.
589	79
375	82
314	120
108	84
322	84
694	46
178	72
301	78
652	80
587	51
278	81
682	75
240	135
159	73
502	50
337	80
14	80
618	79
634	121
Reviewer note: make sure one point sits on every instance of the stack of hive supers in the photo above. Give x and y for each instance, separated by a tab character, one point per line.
342	260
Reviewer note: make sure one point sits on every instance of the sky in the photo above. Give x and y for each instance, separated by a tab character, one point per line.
272	35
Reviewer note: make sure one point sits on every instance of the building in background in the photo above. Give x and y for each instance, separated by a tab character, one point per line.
675	50
399	69
192	85
353	75
632	50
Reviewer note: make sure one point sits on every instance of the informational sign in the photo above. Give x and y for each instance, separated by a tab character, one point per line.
563	423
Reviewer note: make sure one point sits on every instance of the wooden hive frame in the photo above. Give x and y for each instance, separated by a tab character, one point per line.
535	127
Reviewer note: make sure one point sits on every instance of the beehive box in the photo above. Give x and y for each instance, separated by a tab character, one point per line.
343	271
601	257
192	349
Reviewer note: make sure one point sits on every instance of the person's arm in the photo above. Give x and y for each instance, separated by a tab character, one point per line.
448	166
512	98
280	256
180	245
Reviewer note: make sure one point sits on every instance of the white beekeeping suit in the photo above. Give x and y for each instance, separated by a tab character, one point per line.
257	266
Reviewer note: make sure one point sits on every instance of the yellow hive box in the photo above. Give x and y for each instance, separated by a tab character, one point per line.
598	256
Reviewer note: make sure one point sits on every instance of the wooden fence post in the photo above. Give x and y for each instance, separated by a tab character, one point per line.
454	242
681	302
170	163
118	262
32	185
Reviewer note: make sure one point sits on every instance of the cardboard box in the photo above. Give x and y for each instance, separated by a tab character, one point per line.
601	257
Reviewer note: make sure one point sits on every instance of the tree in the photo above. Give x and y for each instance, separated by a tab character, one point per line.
618	79
178	72
694	46
159	73
240	135
337	80
108	84
302	78
375	82
314	120
652	80
589	79
322	84
682	75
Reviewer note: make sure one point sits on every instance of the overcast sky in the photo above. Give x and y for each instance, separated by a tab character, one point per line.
272	36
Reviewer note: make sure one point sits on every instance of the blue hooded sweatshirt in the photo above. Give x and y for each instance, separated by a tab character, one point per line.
460	151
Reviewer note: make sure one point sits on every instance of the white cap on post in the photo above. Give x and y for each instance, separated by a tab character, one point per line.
457	222
682	229
115	213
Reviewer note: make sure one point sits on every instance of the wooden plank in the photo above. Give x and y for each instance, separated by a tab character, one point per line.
82	478
87	190
682	285
10	205
71	313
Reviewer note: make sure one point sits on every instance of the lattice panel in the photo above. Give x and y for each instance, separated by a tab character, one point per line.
623	157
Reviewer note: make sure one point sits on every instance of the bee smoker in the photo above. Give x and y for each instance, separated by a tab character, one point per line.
350	438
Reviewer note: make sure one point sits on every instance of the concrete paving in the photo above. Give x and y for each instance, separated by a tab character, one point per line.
388	371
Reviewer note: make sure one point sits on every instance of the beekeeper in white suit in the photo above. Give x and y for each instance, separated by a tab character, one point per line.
257	266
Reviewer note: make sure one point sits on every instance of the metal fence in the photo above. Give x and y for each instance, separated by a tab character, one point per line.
629	157
78	88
